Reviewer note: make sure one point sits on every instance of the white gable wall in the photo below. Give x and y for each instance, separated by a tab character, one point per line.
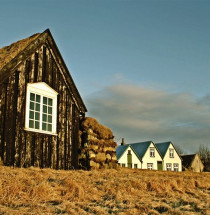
147	159
124	159
175	160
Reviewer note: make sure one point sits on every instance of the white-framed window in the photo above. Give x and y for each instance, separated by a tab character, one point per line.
152	152
150	166
123	165
171	153
168	166
176	167
135	166
41	108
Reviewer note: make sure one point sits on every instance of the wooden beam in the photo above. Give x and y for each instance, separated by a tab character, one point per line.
36	63
44	64
66	130
4	121
33	145
58	143
15	100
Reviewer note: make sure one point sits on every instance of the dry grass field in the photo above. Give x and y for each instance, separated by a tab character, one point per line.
121	191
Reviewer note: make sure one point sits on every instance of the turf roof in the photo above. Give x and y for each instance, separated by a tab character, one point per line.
7	53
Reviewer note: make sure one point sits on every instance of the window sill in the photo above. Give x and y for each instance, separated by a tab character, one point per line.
40	131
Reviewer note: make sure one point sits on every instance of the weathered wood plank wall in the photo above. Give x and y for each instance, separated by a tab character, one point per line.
23	148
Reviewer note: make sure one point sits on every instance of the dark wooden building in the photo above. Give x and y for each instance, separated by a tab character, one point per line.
40	106
192	162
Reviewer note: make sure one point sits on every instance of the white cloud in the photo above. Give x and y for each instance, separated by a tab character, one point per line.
140	114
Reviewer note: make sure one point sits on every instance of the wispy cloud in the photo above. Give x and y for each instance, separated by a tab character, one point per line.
139	114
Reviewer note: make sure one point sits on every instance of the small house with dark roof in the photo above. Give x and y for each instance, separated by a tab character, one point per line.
171	158
192	162
40	106
142	155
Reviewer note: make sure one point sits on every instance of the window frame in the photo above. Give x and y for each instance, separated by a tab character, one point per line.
150	166
168	167
171	153
123	165
135	166
152	153
176	167
44	90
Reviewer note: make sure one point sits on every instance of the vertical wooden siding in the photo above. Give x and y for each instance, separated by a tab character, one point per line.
22	148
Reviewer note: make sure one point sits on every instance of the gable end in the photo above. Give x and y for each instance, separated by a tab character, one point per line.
44	39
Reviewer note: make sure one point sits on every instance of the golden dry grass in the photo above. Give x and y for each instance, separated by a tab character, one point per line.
7	53
102	131
121	191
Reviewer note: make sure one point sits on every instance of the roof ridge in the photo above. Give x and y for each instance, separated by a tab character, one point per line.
141	142
190	154
164	142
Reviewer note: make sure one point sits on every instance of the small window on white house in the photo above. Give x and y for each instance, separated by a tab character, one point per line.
176	167
152	152
41	108
168	166
150	166
135	166
171	153
123	165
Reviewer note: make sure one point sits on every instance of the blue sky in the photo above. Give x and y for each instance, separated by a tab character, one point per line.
142	67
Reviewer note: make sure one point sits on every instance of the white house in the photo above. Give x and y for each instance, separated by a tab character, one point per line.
171	159
143	155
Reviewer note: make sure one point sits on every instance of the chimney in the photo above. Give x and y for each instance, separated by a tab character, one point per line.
123	142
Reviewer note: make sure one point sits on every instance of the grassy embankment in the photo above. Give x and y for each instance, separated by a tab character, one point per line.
122	191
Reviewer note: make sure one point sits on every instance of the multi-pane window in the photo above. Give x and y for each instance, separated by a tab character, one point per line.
171	153
135	166
41	108
150	166
176	167
123	165
168	166
34	111
40	112
47	114
152	152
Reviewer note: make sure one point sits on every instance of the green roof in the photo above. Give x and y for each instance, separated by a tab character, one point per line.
139	148
163	147
120	150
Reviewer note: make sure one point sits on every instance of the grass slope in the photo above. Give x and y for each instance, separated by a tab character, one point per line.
122	192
